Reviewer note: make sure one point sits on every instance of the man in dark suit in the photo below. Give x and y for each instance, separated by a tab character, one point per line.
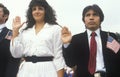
8	64
77	48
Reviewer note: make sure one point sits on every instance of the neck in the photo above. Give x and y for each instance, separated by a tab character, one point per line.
2	22
39	26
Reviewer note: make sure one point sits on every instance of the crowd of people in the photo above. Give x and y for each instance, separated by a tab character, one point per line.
43	48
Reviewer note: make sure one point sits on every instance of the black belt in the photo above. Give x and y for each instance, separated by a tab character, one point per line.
35	59
100	74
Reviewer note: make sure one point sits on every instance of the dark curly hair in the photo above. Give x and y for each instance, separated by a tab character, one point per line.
49	13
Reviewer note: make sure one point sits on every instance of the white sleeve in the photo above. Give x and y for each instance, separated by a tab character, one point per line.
16	47
58	56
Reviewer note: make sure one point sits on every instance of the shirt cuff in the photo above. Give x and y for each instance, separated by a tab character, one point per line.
66	45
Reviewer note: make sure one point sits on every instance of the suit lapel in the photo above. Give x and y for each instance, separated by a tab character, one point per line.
86	40
3	33
86	44
104	40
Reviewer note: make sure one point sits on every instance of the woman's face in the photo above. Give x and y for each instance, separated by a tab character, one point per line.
38	13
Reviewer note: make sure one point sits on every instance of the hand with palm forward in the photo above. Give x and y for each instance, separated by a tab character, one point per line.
66	35
17	23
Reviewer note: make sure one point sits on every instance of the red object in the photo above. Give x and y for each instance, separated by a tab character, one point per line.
113	44
92	57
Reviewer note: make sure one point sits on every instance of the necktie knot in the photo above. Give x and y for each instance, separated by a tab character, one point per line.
93	34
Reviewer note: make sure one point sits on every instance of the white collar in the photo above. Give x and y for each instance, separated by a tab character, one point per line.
46	25
2	26
96	31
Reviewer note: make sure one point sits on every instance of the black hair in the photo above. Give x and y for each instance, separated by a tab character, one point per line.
49	13
95	8
5	10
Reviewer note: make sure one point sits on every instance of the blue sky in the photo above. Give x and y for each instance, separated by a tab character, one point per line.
69	12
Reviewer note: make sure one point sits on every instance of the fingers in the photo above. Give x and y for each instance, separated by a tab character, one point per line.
17	19
66	35
17	23
65	30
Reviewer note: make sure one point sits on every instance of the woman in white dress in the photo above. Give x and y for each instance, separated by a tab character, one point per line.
39	42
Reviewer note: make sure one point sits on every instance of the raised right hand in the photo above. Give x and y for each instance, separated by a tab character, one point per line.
17	23
66	35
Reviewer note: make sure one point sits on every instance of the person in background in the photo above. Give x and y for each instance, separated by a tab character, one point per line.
77	50
8	65
39	43
68	72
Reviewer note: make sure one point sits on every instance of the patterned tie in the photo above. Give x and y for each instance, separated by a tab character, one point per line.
92	57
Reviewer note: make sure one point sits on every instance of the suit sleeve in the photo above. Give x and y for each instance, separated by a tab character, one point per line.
69	55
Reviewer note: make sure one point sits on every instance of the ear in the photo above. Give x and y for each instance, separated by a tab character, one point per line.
6	16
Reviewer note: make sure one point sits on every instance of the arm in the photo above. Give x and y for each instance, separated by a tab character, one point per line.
15	46
67	48
58	56
61	73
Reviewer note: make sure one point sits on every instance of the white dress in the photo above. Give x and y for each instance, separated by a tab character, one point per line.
46	43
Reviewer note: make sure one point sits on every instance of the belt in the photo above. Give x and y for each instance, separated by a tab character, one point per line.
100	74
35	59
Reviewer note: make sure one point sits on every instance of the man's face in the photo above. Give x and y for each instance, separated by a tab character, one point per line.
2	18
92	20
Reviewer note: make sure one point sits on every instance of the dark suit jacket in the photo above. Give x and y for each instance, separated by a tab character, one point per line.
8	64
77	53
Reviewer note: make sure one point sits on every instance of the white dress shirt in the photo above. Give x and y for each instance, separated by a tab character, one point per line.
1	27
99	57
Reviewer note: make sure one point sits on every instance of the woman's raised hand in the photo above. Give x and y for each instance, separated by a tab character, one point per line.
17	23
